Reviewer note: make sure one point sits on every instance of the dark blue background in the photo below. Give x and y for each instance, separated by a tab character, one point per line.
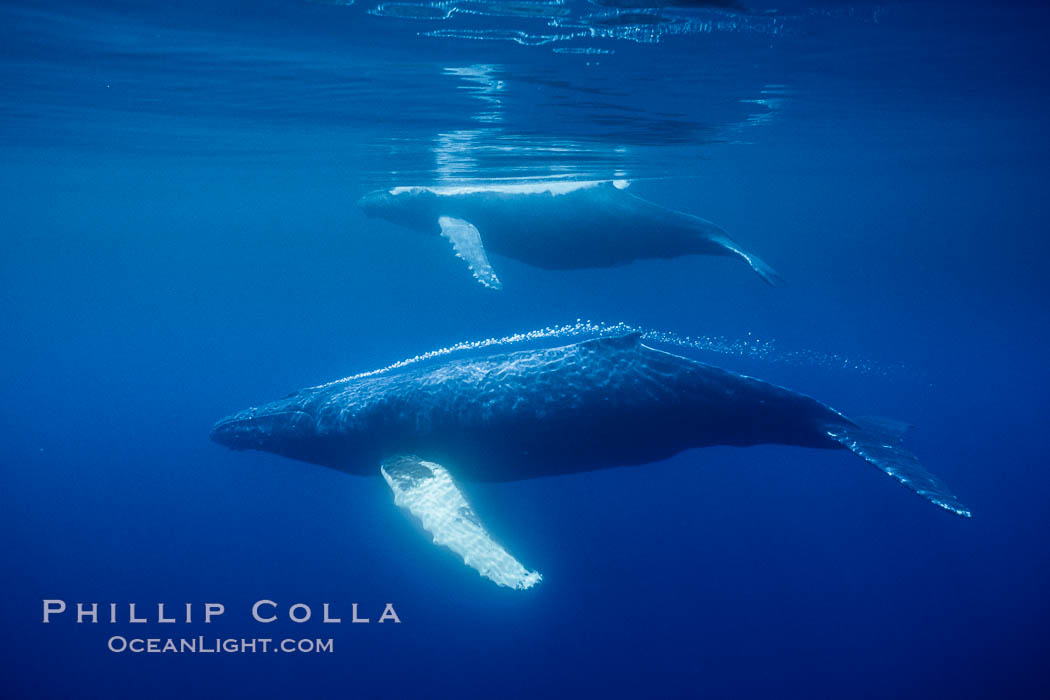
179	240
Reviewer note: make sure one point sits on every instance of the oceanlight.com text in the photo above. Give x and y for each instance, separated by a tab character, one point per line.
217	645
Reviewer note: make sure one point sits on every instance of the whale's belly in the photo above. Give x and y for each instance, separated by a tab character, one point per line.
528	449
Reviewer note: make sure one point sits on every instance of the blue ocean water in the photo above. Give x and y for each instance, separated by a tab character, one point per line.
181	240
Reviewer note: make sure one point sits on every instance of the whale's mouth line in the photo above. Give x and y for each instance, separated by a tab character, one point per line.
238	420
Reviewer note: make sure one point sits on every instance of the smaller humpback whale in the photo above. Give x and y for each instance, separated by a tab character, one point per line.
605	402
554	225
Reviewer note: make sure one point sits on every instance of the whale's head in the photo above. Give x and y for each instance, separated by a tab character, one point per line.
413	207
278	427
378	203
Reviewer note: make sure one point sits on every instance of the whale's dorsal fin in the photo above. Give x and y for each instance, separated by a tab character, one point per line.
426	490
466	241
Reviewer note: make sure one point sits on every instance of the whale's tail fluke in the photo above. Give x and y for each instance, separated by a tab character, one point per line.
877	441
771	276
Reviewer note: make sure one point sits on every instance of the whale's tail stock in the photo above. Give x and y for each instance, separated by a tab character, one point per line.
878	442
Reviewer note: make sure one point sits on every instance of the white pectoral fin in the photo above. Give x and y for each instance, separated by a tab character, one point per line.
466	241
426	490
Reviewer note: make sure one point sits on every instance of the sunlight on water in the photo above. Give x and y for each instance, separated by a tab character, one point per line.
640	21
474	155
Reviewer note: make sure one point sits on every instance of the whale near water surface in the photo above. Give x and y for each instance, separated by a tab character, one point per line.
600	403
556	225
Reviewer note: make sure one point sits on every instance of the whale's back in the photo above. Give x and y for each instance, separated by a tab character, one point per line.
600	403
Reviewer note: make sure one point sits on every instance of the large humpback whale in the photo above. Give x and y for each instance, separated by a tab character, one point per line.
554	225
605	402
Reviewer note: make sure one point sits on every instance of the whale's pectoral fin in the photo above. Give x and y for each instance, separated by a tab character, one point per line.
466	241
771	276
427	491
877	440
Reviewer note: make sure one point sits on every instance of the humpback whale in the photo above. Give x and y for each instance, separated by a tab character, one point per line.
604	402
554	225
